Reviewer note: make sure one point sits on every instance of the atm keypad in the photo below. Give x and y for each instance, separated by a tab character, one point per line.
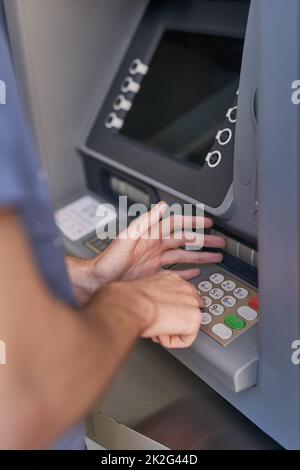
231	306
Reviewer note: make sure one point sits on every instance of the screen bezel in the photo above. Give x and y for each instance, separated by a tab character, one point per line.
135	158
137	116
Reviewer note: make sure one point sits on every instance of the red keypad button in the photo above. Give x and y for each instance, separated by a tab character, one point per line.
254	303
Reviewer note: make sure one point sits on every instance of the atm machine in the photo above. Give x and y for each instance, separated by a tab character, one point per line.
197	109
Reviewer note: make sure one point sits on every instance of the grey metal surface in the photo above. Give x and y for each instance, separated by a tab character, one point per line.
279	190
246	139
160	398
223	210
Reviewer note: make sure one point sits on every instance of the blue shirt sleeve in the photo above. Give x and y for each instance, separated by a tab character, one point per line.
12	141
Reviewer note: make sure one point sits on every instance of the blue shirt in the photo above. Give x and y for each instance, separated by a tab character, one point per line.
23	187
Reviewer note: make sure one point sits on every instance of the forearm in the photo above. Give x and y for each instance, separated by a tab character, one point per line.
83	280
54	380
59	360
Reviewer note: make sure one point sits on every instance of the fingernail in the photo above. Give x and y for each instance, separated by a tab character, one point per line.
190	239
162	207
161	204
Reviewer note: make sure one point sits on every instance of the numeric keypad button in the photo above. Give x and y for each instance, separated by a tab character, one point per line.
228	301
228	286
247	313
206	318
216	309
222	331
217	278
216	294
207	301
241	293
205	286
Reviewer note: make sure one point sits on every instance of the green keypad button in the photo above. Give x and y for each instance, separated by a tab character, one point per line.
235	322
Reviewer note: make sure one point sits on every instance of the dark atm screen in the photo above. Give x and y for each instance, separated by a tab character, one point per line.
192	81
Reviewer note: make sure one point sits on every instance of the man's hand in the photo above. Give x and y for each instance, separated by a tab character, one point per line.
61	360
166	307
131	258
